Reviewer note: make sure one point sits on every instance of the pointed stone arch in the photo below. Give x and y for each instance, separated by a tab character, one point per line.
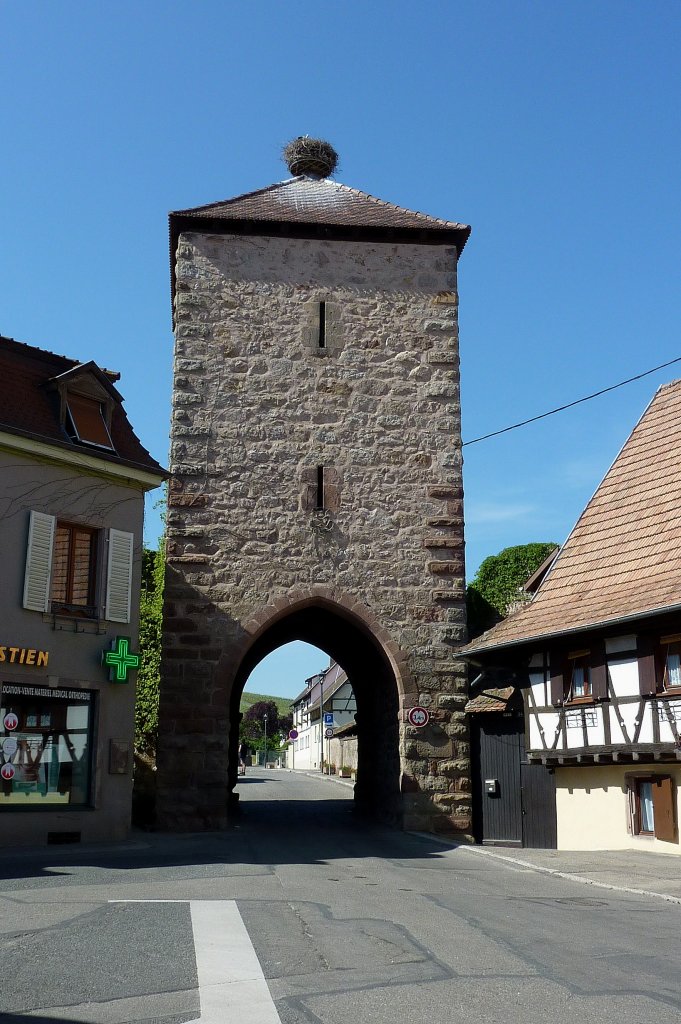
376	667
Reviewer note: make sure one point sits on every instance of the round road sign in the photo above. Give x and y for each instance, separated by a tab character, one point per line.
418	717
293	734
328	733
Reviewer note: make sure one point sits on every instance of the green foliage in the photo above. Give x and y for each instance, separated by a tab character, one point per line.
252	728
283	703
497	582
148	677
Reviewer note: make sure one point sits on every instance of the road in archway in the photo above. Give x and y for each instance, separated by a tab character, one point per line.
300	913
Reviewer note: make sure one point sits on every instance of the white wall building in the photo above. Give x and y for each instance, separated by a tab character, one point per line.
328	693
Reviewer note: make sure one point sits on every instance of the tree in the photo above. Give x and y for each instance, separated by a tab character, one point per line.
148	677
252	728
496	584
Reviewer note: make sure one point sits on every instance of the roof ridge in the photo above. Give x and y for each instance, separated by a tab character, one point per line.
339	185
233	199
34	352
395	206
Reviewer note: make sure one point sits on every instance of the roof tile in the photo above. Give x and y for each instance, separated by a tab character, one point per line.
623	557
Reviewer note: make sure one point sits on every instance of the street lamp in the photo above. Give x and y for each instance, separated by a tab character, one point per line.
264	718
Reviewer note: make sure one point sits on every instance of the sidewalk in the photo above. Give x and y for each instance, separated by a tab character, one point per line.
649	874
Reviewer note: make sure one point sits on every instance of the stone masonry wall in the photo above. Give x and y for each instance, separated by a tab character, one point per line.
258	406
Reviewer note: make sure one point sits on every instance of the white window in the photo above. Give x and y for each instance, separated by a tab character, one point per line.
62	568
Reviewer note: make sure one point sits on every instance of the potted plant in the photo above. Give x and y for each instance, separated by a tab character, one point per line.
345	771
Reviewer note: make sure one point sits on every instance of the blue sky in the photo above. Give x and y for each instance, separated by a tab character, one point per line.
551	128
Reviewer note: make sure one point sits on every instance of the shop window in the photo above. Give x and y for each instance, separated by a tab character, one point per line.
45	747
62	565
651	806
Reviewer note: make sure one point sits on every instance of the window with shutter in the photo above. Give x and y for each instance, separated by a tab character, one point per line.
669	661
119	576
86	422
74	562
651	806
39	562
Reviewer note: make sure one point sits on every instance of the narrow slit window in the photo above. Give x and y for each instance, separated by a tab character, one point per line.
322	325
320	487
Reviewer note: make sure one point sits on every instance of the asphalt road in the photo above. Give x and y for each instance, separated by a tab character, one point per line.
348	924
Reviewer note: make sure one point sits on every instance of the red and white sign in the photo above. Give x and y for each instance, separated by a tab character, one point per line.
418	716
7	772
10	721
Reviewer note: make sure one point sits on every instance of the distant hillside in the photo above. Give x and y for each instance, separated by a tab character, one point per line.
283	703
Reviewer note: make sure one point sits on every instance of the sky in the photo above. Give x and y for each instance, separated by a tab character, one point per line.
553	129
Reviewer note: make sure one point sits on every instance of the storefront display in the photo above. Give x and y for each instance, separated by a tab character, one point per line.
45	746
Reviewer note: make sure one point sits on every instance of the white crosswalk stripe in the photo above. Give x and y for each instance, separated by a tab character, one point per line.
232	986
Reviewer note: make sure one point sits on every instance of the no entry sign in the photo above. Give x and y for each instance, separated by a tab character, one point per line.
418	716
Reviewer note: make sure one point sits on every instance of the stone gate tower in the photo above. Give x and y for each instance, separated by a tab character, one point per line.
316	490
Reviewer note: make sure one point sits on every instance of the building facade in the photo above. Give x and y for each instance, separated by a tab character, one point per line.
316	488
327	703
74	477
597	652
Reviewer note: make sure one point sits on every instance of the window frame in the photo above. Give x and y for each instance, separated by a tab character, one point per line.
75	420
68	606
579	660
87	698
663	795
594	660
112	565
653	654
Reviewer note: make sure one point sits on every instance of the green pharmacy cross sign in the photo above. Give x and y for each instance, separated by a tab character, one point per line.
120	659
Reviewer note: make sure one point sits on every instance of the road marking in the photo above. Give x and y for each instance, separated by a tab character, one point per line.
232	985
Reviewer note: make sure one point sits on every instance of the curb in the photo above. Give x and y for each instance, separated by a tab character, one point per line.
582	879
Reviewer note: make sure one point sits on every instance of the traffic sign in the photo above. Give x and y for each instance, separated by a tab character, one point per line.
418	716
328	733
293	734
328	718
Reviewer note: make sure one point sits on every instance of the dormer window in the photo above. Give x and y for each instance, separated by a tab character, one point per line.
85	421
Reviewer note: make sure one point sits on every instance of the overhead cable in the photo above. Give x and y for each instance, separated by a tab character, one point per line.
578	401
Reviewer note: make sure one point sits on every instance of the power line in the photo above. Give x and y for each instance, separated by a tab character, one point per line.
561	408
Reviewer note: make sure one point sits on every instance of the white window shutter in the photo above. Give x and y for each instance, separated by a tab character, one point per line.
39	562
119	576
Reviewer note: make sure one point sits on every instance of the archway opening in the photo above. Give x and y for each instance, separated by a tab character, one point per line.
345	640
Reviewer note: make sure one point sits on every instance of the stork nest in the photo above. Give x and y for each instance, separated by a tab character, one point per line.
310	156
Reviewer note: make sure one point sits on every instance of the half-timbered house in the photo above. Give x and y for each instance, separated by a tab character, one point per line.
597	652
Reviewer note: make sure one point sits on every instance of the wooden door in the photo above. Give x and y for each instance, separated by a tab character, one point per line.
497	747
538	787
